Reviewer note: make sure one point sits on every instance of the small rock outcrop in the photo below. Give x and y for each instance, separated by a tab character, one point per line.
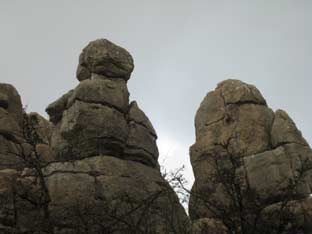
234	124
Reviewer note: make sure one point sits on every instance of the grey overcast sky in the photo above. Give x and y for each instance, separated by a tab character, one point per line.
182	49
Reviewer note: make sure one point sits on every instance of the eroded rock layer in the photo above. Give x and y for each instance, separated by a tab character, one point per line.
234	124
96	118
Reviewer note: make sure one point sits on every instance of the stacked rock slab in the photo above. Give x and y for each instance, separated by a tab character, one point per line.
234	120
96	118
105	169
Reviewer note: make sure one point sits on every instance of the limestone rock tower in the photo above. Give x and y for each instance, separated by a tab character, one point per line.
248	161
96	168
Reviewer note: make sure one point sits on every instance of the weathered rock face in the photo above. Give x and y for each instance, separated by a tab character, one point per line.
104	190
105	167
234	123
93	168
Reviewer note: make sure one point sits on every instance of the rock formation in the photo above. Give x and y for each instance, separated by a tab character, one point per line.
96	117
95	168
234	124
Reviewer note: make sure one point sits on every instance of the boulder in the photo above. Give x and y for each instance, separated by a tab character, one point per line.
104	58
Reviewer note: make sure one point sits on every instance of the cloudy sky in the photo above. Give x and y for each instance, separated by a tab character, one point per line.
182	49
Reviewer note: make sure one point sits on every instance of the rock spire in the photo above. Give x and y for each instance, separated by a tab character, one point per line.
94	167
235	126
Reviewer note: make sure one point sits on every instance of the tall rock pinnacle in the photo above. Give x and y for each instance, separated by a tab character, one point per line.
96	117
236	128
105	149
97	171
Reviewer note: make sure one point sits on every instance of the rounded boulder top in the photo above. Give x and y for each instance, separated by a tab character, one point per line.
235	92
104	58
